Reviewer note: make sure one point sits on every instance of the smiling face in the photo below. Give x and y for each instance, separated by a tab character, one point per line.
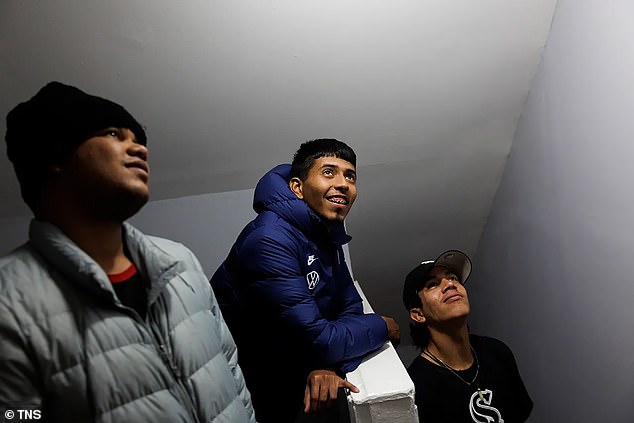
329	189
443	298
109	174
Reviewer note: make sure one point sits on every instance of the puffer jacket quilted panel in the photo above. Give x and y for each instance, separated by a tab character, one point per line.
69	347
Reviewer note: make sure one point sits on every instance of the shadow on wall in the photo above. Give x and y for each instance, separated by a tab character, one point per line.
13	233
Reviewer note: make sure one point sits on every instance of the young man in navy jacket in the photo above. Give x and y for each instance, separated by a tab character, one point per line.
286	292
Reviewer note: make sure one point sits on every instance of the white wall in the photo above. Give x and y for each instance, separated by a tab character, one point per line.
13	233
207	224
553	274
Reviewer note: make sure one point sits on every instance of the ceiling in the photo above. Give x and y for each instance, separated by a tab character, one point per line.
427	92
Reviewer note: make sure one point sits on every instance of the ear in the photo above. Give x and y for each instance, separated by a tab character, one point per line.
416	314
296	186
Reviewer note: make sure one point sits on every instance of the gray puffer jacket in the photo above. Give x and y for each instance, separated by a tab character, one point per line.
70	349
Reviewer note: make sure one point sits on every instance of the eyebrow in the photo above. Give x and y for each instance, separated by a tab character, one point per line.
444	275
344	169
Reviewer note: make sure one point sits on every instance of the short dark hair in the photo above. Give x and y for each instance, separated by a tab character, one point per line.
419	334
323	147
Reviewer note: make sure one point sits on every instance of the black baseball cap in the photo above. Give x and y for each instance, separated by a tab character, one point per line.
454	260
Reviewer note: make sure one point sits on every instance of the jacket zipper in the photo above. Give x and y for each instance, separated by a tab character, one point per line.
161	346
166	356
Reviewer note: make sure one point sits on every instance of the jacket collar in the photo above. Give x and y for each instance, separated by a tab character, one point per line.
79	268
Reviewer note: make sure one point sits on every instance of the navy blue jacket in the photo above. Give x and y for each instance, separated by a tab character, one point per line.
287	296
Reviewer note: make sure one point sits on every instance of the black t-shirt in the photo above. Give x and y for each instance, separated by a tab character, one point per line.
441	397
131	290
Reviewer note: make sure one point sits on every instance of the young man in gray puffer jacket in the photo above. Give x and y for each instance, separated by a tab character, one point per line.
99	322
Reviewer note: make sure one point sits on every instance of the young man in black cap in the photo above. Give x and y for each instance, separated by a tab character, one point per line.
458	377
99	322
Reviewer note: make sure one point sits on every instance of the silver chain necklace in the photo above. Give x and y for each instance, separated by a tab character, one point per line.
455	372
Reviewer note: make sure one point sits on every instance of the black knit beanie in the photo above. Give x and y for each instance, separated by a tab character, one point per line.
44	130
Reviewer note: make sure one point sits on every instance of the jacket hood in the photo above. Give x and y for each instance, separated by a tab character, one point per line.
273	193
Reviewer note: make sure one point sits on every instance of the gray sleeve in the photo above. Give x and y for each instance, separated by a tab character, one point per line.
18	374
